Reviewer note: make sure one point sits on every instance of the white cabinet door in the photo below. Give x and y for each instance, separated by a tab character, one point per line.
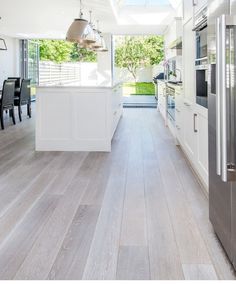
179	121
187	10
162	100
189	142
116	107
189	76
202	147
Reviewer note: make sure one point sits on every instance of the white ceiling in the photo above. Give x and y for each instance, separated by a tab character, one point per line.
51	18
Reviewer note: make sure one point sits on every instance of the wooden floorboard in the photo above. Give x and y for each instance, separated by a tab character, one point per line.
137	213
133	263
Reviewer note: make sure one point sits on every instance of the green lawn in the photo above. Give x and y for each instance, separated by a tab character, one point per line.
145	89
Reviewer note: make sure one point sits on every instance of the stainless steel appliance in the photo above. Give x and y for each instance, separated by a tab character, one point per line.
160	76
170	103
200	27
222	122
201	57
201	86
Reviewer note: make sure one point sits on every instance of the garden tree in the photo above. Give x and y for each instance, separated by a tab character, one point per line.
133	52
60	51
57	51
82	54
154	46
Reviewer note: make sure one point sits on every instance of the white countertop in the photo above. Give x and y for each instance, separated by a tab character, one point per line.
80	87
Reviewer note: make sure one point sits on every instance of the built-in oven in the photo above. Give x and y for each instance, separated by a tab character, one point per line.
170	103
202	86
201	61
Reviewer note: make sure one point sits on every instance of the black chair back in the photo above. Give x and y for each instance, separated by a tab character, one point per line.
25	91
8	92
17	81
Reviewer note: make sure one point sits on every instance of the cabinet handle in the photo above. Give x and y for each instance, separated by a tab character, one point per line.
178	110
194	122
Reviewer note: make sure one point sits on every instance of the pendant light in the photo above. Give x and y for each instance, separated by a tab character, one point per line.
77	28
98	43
104	46
3	45
89	34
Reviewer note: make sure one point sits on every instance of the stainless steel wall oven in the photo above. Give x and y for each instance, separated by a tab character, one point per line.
201	61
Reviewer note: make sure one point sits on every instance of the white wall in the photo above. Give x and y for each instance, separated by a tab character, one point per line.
143	75
105	63
9	60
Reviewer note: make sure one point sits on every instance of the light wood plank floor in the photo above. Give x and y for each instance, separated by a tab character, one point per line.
136	213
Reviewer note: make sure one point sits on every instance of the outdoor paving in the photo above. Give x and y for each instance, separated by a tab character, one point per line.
139	101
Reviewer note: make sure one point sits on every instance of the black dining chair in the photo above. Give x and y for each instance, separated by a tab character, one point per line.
24	98
17	81
17	84
7	100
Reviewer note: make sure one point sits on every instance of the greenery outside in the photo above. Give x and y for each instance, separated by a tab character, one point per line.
135	52
60	51
131	53
144	89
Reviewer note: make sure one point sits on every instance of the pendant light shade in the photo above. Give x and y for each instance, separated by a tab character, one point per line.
76	30
85	45
82	32
89	35
98	43
104	46
3	45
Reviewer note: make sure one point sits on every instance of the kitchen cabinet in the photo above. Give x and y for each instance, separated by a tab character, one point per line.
189	76
117	107
173	35
188	9
189	139
84	118
202	146
192	134
162	103
179	121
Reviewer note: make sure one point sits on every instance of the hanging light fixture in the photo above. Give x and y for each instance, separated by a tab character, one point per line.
77	29
85	34
89	34
98	43
3	45
104	46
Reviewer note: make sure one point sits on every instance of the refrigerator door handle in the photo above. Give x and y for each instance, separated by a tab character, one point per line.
218	94
225	163
223	101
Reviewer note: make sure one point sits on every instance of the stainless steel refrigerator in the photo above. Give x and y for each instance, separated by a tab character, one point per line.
222	121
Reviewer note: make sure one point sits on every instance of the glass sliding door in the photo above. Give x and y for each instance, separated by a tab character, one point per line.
30	63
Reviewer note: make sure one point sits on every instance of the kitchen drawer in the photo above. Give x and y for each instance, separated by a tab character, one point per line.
179	101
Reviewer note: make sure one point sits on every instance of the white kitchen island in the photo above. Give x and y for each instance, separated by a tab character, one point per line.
77	118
